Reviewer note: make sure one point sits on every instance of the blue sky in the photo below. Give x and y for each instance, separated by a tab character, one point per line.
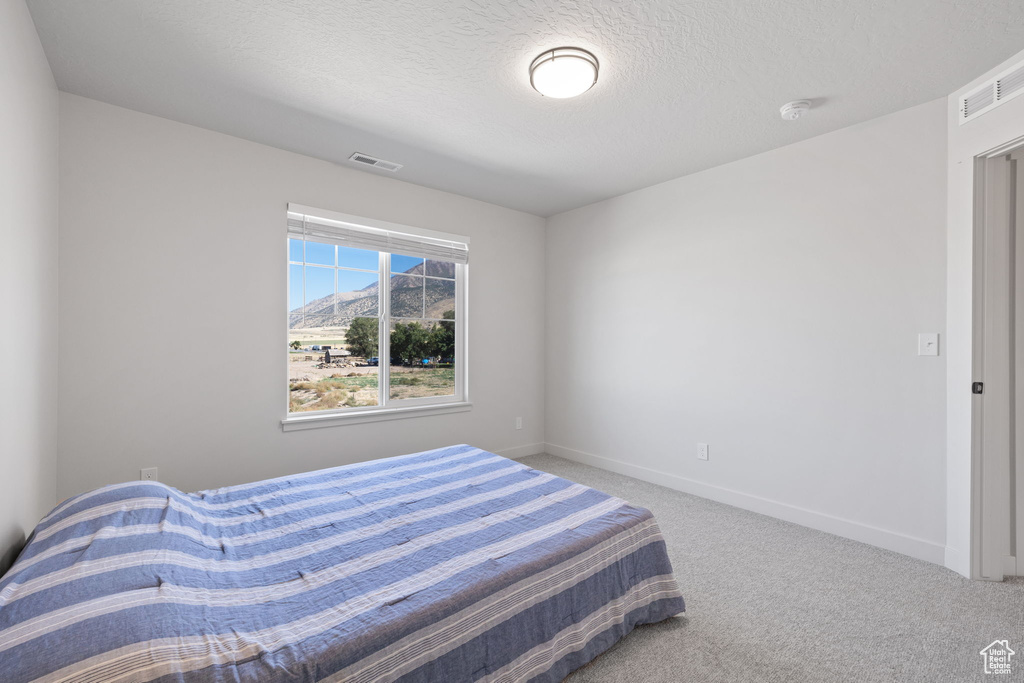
323	254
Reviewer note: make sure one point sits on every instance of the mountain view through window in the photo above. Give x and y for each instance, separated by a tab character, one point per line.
336	311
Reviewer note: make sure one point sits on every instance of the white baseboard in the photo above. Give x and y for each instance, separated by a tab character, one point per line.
958	562
882	538
517	452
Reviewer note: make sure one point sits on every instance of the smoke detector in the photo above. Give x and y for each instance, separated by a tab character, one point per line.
791	111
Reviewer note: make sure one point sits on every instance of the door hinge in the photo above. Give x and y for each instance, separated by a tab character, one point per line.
978	388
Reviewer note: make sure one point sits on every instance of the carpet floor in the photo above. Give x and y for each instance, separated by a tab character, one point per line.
771	601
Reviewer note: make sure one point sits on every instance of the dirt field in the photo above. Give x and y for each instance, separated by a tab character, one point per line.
299	367
345	384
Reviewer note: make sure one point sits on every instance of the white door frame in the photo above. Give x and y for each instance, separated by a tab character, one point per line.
1017	501
993	362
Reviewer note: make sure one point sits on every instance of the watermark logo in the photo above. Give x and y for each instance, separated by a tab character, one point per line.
997	657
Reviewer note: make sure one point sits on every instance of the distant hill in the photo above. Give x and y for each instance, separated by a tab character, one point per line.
406	300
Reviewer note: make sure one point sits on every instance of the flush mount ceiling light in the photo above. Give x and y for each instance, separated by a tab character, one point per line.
563	72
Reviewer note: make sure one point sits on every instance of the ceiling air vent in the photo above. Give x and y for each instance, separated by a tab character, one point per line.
1003	87
375	162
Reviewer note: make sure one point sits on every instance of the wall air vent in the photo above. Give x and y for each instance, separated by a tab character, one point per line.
977	102
1003	87
375	162
1010	84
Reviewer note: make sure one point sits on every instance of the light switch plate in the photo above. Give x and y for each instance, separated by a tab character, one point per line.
928	344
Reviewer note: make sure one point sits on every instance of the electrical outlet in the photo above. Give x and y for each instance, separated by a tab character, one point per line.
519	423
702	451
148	474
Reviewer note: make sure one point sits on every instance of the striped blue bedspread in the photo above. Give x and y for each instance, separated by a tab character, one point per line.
448	565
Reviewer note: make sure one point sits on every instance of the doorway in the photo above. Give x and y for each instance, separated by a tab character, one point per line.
998	439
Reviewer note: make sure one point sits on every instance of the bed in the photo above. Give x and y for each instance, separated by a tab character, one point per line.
448	565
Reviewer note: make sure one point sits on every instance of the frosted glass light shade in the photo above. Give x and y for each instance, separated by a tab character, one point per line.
563	72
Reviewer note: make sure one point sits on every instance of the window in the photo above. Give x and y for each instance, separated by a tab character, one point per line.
376	318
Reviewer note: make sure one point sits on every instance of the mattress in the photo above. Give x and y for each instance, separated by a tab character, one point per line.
449	565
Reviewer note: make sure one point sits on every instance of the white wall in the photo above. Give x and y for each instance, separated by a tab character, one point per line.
990	130
28	279
173	301
769	307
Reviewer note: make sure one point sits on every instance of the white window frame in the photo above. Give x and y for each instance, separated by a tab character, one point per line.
389	409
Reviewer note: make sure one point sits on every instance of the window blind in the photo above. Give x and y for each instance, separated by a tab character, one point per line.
306	227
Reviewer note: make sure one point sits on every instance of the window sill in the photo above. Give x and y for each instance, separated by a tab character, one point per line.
297	422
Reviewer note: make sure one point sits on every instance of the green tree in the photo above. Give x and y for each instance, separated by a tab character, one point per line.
399	343
442	337
410	342
296	345
362	337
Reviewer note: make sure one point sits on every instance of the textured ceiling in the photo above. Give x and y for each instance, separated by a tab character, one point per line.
442	86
